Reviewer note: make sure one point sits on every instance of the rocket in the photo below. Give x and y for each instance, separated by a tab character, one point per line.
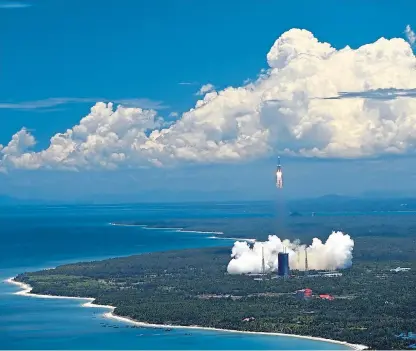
279	175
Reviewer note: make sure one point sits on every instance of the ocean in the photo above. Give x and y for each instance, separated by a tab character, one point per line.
36	237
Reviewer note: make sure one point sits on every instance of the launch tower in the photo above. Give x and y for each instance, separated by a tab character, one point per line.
283	264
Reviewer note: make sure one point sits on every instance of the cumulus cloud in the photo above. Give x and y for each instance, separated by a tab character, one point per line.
410	35
206	88
289	109
335	253
103	139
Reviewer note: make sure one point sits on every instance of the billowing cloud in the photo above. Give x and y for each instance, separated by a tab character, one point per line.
103	139
289	109
335	253
410	35
206	88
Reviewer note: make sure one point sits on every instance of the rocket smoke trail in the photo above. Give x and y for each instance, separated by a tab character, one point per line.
280	209
335	253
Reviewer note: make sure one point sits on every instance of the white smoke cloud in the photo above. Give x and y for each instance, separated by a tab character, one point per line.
335	253
295	107
410	35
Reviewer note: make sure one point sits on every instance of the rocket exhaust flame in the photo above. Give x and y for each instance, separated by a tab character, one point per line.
279	175
279	179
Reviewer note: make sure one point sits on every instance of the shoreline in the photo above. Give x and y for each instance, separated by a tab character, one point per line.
26	291
182	230
179	230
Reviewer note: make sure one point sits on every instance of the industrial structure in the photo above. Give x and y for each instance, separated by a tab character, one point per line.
306	262
279	175
283	264
263	266
400	269
326	297
304	294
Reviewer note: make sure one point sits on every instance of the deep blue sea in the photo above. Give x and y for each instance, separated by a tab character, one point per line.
36	237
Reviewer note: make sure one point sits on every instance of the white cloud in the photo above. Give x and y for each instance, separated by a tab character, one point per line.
103	139
410	35
206	88
52	102
302	105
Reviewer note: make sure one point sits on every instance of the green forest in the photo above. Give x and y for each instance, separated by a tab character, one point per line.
192	287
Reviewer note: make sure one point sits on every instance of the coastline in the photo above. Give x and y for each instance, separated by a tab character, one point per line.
179	230
26	291
182	230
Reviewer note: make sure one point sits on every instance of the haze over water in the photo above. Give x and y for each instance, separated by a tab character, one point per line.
38	237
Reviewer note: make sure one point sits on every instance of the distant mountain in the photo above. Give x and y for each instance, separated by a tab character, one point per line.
338	203
326	203
167	196
388	194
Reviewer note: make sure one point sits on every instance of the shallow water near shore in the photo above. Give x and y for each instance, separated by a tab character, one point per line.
40	237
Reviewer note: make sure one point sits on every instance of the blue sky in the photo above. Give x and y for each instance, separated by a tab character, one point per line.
78	52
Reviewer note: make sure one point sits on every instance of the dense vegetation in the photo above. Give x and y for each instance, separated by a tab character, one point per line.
191	287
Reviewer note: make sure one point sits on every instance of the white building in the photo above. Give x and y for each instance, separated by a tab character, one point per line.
400	269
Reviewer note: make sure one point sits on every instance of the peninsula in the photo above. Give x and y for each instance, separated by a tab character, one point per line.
370	304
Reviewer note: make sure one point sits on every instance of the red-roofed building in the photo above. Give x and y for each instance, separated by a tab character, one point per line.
326	297
304	293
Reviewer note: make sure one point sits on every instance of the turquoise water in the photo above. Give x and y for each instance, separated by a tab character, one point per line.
40	237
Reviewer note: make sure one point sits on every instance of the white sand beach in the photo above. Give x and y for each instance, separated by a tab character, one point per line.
26	291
